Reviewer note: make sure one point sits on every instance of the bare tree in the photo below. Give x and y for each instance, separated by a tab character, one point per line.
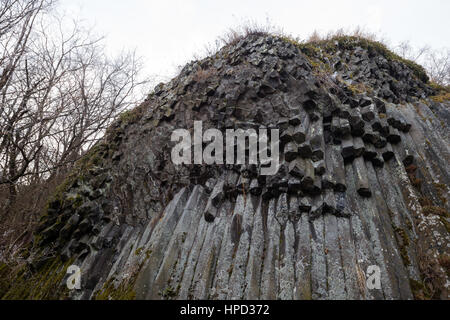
407	51
17	19
435	61
438	66
59	91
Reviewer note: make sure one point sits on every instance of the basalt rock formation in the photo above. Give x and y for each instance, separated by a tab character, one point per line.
362	183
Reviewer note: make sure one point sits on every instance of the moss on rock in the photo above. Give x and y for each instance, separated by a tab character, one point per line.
44	283
122	291
336	43
403	242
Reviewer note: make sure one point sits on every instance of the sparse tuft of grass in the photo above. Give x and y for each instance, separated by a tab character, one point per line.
441	97
248	28
444	261
434	210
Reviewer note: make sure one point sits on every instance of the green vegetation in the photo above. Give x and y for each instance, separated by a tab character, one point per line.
79	174
83	168
441	190
130	116
332	44
169	293
445	223
441	97
419	291
403	241
442	92
444	261
434	210
94	157
123	291
45	283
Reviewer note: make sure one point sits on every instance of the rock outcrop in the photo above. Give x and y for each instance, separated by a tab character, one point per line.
363	181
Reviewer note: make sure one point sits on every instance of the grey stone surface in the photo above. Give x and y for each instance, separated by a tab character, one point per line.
356	171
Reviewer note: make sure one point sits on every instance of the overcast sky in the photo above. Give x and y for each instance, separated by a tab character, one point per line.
167	33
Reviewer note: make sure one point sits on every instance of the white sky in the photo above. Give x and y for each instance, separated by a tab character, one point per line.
168	33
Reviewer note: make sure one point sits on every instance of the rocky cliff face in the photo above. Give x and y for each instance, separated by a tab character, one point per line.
363	181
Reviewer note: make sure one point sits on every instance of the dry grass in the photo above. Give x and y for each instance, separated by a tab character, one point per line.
434	210
444	261
440	98
347	38
19	221
358	32
361	279
203	75
233	35
250	27
424	201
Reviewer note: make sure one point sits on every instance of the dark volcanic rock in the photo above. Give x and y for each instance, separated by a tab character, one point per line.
362	177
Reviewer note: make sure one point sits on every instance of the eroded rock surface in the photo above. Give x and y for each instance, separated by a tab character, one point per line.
363	181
